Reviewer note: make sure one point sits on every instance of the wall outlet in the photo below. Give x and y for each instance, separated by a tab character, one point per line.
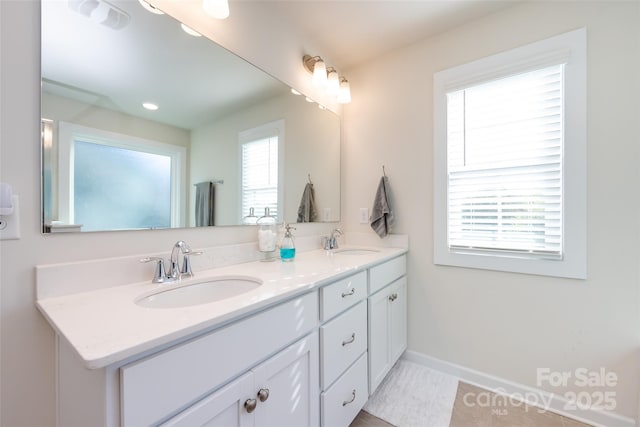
364	215
10	224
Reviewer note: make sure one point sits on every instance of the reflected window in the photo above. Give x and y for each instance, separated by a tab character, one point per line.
111	181
260	155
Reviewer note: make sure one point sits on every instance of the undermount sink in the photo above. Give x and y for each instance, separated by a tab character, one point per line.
355	251
206	291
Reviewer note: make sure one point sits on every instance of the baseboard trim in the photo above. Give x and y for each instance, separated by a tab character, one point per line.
556	404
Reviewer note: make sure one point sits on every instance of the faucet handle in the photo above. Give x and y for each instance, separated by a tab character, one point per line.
159	274
186	263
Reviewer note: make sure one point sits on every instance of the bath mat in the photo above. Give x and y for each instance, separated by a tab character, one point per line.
414	396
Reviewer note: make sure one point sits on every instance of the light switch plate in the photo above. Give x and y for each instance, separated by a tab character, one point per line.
10	224
364	215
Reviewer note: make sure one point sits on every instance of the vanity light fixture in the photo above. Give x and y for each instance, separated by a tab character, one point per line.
344	95
150	106
218	9
327	78
333	81
102	12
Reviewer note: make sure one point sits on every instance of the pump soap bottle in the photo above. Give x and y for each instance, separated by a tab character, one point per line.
287	247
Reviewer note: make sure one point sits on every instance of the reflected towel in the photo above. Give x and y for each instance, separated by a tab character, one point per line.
205	198
382	218
307	212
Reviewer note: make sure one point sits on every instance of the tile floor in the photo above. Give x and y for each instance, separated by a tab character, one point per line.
486	416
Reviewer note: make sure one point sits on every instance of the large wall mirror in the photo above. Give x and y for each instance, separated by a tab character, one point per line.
225	142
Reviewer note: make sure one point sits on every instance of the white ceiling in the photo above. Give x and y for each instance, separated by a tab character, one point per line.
354	31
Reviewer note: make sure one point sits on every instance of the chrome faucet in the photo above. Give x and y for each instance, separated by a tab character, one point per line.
174	266
331	242
174	272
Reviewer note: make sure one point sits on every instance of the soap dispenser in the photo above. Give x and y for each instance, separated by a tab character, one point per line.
287	247
267	235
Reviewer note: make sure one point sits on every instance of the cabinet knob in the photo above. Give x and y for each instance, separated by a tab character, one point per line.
250	405
353	397
350	340
263	394
393	297
351	292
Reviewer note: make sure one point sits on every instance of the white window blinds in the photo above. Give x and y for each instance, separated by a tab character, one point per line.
504	164
260	176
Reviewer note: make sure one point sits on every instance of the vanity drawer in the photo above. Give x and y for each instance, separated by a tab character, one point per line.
385	273
342	402
155	387
342	340
339	296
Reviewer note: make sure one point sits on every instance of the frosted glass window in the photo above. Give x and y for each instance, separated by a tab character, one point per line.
117	188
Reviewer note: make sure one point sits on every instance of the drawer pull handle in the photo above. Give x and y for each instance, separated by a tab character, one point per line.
250	405
351	292
350	340
393	297
263	394
353	397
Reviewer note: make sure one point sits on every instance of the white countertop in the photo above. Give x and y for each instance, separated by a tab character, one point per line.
105	326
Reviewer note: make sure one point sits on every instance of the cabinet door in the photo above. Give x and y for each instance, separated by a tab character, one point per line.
379	361
398	318
224	408
289	384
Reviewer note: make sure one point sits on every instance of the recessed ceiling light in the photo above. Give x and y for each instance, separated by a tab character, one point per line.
295	92
150	106
190	31
151	8
308	99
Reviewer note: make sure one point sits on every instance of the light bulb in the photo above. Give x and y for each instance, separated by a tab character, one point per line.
218	9
333	82
344	96
190	31
319	73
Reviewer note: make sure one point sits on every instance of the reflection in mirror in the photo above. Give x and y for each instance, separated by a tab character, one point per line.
222	142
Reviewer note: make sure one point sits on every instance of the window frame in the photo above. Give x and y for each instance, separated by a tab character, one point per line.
267	130
570	49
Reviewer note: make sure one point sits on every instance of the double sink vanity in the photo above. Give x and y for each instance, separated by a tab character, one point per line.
303	343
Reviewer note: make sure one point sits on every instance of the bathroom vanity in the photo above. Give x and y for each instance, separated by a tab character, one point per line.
305	348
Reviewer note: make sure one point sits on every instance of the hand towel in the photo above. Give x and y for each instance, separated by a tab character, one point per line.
382	218
205	198
307	212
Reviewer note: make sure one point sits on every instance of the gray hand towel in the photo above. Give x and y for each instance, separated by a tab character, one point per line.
307	212
205	201
382	218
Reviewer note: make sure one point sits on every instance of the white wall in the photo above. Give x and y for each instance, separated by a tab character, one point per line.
502	324
27	341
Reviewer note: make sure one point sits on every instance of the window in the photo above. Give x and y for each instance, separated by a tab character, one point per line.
510	160
110	181
261	158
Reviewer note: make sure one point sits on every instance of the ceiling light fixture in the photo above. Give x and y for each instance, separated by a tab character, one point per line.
218	9
190	31
295	92
327	78
150	106
151	8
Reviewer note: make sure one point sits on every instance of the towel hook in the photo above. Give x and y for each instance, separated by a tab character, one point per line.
309	177
383	172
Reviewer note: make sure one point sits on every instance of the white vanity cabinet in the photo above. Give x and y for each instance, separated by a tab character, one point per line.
343	350
387	318
281	391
